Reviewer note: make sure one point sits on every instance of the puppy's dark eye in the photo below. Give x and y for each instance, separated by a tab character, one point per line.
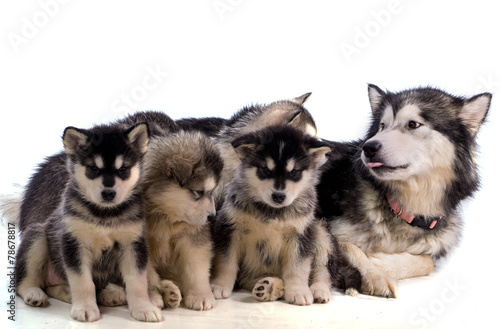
294	173
198	194
122	170
94	169
382	126
265	171
414	125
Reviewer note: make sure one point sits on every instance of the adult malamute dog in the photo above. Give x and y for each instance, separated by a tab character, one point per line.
94	229
393	198
266	237
253	118
181	172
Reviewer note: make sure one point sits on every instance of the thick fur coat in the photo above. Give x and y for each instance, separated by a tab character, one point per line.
393	198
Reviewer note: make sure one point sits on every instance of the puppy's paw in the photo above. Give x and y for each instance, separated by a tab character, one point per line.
145	311
171	294
85	312
221	292
156	298
60	292
321	292
112	295
268	289
200	302
376	283
35	296
353	292
299	296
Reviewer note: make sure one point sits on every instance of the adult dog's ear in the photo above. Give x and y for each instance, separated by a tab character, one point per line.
138	136
376	97
75	140
180	170
474	111
244	145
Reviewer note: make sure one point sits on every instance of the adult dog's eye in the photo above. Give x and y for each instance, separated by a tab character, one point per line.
414	124
382	126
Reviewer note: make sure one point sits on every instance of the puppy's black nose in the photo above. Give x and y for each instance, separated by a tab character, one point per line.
278	197
108	195
371	148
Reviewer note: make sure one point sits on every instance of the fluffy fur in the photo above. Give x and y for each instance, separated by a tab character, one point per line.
224	131
419	151
181	172
91	225
266	237
253	118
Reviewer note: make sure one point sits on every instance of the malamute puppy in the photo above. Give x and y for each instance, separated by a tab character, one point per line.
95	228
181	172
393	198
266	237
253	118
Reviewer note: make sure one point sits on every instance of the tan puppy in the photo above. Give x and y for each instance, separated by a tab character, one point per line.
181	172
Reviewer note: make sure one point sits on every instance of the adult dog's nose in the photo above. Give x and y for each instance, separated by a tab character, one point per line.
371	148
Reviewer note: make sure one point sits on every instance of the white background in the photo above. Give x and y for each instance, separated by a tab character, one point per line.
74	63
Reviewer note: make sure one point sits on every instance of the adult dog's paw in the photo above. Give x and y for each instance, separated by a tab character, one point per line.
377	283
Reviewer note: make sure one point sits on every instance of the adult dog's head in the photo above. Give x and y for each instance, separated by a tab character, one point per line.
422	132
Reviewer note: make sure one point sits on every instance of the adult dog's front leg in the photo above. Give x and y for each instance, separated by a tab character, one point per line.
403	265
374	280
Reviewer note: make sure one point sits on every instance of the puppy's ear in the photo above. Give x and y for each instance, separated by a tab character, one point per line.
474	111
75	139
304	122
376	97
295	120
301	99
181	171
244	145
138	136
318	151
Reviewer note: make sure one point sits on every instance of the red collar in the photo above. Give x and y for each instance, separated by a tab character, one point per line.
419	221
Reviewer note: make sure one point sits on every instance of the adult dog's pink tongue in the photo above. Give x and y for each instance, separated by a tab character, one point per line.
374	164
